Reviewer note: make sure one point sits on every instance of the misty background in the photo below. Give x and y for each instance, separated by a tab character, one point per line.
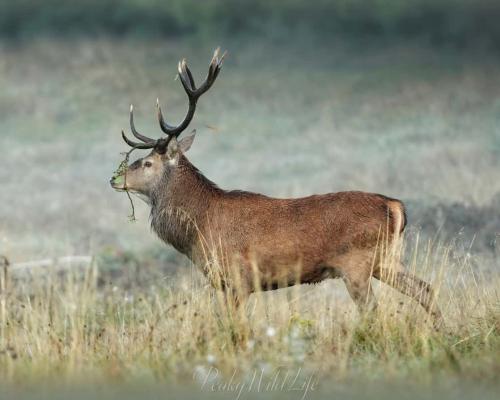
400	98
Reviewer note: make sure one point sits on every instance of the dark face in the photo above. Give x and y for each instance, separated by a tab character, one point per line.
142	175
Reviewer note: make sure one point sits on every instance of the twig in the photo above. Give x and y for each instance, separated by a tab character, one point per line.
465	340
122	170
5	271
131	217
50	262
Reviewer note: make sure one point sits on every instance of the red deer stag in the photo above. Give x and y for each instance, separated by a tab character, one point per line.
334	235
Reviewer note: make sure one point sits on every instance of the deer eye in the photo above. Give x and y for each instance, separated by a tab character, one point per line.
147	164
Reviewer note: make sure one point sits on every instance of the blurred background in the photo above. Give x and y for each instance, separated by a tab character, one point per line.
390	96
396	97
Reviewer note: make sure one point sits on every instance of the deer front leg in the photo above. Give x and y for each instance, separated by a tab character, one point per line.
236	290
236	297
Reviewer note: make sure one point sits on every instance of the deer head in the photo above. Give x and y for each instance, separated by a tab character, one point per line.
144	174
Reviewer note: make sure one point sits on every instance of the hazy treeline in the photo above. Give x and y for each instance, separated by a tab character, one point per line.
449	22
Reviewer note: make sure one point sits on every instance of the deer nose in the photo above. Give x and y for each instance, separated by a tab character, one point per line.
117	181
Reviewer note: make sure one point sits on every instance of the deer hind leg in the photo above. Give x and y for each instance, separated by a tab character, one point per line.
414	287
356	274
361	292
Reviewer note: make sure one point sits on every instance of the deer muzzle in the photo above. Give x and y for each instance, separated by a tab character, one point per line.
118	182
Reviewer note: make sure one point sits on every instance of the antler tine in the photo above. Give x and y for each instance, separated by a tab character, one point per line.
190	76
137	145
186	77
213	72
192	92
165	127
145	139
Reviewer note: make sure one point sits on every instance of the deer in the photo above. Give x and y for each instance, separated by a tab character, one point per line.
333	235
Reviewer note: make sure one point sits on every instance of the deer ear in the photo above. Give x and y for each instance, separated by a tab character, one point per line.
172	152
185	143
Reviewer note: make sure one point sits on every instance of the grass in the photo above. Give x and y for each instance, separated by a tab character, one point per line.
71	328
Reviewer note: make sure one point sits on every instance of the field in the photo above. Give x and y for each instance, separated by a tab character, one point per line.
411	122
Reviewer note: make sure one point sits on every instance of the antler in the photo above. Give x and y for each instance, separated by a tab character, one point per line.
193	94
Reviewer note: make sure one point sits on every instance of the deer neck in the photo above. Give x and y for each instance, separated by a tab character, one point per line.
180	206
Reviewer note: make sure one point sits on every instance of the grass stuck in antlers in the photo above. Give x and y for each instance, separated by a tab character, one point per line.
92	327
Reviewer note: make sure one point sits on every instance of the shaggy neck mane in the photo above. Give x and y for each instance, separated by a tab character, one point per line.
180	203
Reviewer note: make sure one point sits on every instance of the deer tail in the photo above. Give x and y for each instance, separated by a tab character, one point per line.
398	212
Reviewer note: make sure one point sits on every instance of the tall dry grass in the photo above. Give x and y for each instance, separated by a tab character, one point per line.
70	327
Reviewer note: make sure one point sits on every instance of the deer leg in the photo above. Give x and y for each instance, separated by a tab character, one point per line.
356	269
415	288
237	294
236	297
361	292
